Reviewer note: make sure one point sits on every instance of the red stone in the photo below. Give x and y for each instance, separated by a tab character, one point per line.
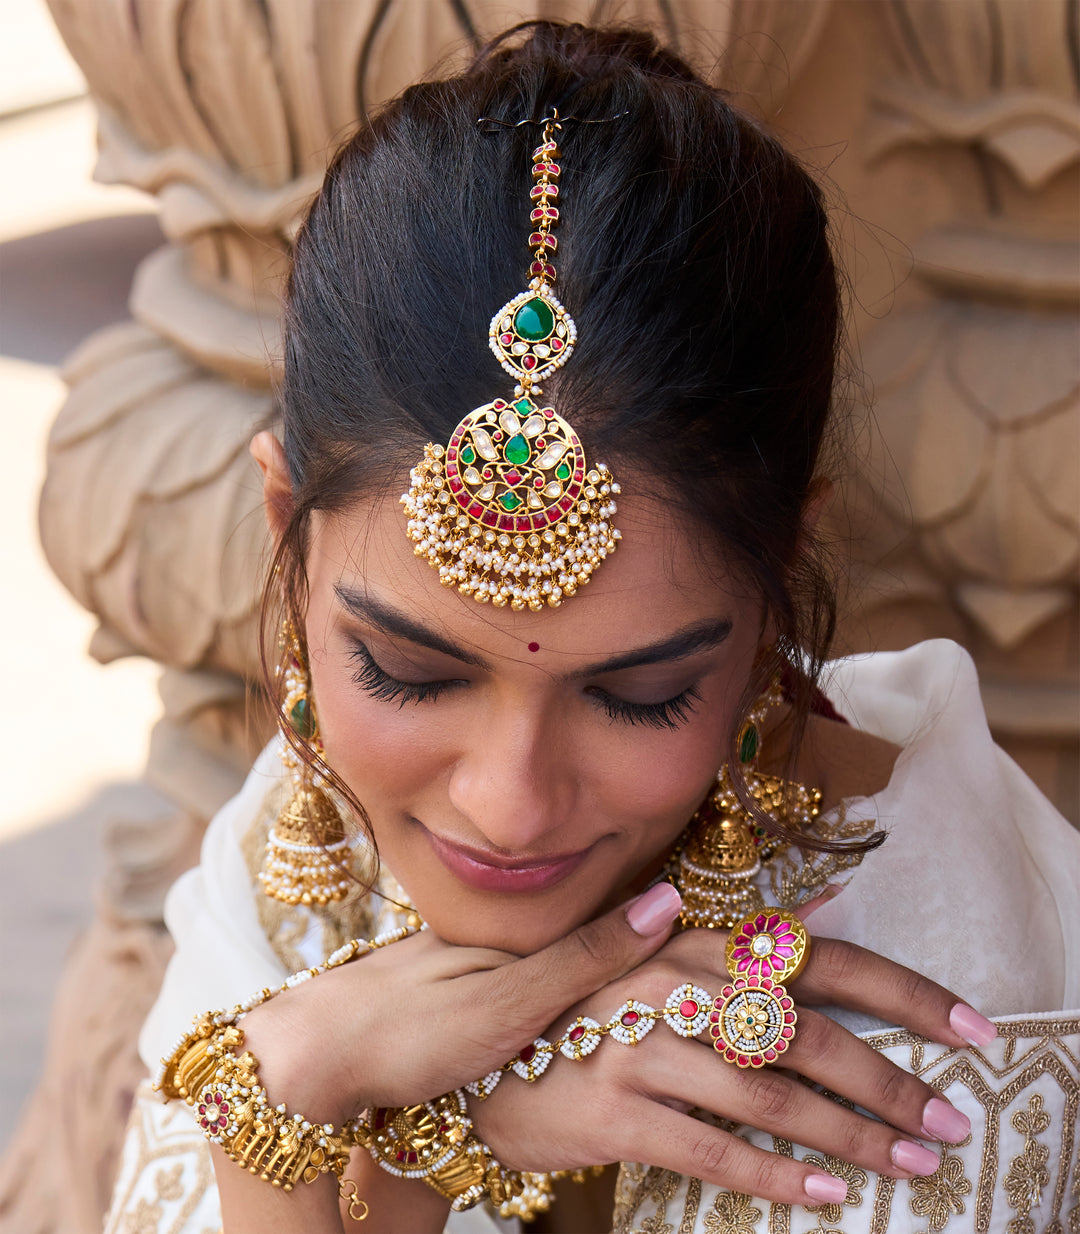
545	238
476	509
539	443
770	1056
528	1054
413	1157
487	473
538	482
785	1003
787	1031
380	1119
490	518
556	344
506	339
528	362
576	1033
579	475
757	1060
549	412
630	1019
524	524
499	404
497	435
512	477
456	486
506	523
742	1059
688	1009
714	1018
401	1154
542	267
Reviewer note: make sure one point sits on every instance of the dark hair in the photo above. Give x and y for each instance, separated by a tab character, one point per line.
693	255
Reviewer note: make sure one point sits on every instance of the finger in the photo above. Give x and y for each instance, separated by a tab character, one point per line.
539	987
829	1055
846	975
779	1104
686	1145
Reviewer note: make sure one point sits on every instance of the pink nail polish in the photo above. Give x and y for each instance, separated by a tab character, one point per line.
654	910
974	1028
913	1158
825	1188
941	1121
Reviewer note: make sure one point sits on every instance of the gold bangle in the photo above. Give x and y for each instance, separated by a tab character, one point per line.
434	1140
232	1109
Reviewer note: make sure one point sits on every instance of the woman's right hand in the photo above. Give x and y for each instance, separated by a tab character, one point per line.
632	1103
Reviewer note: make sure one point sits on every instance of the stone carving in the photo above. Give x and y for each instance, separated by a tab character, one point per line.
227	111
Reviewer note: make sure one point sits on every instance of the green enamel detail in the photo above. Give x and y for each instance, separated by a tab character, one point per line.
524	406
748	743
510	501
468	455
301	718
562	472
534	321
517	450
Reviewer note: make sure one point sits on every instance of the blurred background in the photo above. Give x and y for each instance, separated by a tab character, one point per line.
138	346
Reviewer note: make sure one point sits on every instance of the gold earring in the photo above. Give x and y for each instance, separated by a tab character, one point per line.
725	846
305	847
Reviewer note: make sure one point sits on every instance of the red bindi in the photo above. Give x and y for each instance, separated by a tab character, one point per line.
534	646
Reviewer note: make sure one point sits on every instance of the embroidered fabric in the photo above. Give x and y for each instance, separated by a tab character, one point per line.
976	887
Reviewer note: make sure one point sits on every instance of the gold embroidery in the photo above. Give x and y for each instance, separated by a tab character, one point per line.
144	1220
1033	1058
167	1182
795	878
937	1196
1028	1174
732	1213
856	1179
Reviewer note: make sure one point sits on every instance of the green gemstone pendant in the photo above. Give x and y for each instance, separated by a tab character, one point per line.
301	718
748	744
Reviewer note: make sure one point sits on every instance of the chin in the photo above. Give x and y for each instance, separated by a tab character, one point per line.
517	926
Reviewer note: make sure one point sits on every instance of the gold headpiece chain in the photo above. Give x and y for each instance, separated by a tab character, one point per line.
509	510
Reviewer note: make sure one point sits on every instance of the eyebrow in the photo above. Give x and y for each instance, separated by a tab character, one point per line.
701	636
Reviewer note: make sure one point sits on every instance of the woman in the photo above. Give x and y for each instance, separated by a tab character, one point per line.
539	772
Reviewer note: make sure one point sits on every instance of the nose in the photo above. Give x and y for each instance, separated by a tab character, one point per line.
515	781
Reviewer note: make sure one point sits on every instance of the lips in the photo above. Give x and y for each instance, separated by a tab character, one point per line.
486	871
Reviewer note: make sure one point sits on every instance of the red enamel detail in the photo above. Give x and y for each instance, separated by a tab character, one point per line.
688	1009
528	1054
575	1034
630	1019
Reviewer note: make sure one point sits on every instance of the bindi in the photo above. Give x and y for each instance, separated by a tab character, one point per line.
534	646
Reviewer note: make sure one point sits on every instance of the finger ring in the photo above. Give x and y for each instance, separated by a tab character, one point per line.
753	1018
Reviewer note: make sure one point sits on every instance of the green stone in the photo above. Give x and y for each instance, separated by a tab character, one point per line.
468	455
524	406
517	450
562	472
301	719
510	501
534	321
748	743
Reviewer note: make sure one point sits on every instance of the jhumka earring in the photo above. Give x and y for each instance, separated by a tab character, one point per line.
509	510
725	847
307	842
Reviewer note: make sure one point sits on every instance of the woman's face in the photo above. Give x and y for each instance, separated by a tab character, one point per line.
524	770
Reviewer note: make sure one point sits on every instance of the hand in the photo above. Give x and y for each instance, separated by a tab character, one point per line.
631	1103
422	1017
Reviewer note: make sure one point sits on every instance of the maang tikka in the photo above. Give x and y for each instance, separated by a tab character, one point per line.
307	843
509	511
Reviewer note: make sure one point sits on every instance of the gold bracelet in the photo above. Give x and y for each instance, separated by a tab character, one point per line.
231	1105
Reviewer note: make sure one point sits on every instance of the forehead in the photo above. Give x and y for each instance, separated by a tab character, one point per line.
664	575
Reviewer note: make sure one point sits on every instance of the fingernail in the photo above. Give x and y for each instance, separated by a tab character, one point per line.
655	910
974	1028
825	1187
941	1121
913	1158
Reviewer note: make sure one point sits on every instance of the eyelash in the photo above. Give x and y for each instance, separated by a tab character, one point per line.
669	714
